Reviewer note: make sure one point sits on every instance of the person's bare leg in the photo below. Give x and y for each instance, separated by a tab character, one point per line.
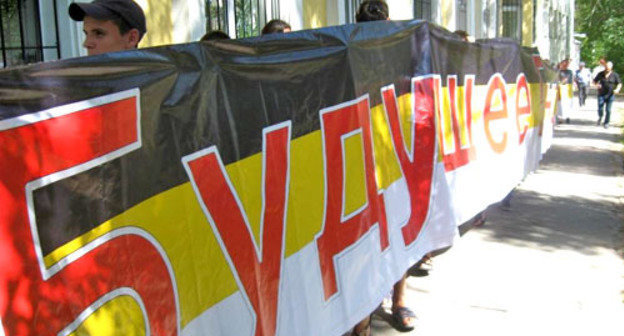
398	293
398	304
362	328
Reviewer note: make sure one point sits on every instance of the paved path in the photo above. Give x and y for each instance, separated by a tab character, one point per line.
547	267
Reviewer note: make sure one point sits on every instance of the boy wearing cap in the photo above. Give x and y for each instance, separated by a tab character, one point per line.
109	25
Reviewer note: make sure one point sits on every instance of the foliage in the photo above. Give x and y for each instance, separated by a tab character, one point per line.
602	21
247	18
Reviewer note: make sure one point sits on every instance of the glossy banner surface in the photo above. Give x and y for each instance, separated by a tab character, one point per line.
270	186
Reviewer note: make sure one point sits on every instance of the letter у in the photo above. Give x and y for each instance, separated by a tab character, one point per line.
416	161
257	269
339	231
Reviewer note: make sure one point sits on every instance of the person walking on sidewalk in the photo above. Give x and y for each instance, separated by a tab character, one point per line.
602	64
566	103
582	78
609	84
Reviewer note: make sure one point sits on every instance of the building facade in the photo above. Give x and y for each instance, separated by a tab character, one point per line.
41	30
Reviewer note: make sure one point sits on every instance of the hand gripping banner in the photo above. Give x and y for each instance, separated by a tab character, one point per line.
277	185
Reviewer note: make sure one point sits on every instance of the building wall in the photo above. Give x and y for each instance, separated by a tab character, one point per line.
315	14
554	28
70	34
158	14
527	22
491	12
447	12
180	21
401	9
292	11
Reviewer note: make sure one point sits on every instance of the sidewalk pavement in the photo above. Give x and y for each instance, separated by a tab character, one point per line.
550	266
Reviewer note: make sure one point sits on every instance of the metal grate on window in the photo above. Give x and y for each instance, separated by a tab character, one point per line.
20	33
422	10
462	15
351	8
250	17
512	19
216	15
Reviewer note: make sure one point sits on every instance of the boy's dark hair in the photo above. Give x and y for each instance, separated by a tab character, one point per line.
462	34
275	26
372	10
123	26
215	35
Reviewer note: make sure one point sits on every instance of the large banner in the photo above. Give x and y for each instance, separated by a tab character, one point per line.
270	186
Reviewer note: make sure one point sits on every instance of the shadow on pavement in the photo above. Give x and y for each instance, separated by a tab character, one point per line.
579	215
580	160
586	133
553	223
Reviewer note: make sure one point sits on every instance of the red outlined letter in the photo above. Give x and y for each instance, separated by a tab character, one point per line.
496	90
340	232
417	164
257	269
523	106
456	143
45	147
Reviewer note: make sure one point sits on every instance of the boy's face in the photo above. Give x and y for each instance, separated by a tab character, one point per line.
102	36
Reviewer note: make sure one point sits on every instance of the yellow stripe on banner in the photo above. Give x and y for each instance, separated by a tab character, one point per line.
446	123
306	199
464	139
537	105
246	177
387	169
120	316
405	113
478	92
176	220
354	192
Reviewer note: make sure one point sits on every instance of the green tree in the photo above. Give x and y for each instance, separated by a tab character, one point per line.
247	18
603	23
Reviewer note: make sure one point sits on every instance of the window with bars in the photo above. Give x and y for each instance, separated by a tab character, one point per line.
351	8
554	31
20	34
462	15
216	15
249	16
512	19
422	10
535	8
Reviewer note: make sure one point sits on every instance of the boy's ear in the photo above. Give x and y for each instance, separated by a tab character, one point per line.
133	38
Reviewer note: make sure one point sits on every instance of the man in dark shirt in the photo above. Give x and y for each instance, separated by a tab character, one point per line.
608	83
565	74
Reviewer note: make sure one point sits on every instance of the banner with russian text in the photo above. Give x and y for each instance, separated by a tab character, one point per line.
276	185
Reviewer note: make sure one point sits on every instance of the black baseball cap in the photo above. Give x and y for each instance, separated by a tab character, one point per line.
127	10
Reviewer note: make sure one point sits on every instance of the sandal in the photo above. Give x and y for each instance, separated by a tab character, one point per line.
400	314
421	268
